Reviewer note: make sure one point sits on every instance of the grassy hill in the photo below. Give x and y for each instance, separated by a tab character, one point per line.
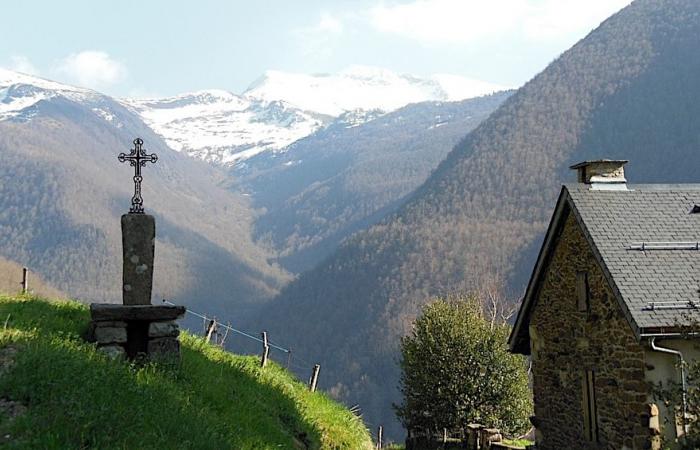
628	90
57	391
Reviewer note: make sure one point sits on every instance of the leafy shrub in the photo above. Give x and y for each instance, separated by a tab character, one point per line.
456	370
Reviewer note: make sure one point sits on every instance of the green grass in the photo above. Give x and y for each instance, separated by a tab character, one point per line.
518	442
78	398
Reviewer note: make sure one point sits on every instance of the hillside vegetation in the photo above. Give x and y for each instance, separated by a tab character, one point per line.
57	391
65	192
347	176
628	90
11	281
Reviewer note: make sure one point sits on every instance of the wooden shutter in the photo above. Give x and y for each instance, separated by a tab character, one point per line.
590	413
582	291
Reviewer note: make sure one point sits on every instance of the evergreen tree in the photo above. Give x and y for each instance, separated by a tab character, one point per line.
456	370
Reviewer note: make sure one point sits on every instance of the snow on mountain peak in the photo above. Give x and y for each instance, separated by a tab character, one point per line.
376	74
9	78
280	108
222	127
275	111
363	87
19	91
458	88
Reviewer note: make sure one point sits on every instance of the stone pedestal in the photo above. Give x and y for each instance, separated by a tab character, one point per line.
136	330
138	244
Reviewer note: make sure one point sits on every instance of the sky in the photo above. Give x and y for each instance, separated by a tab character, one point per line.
166	47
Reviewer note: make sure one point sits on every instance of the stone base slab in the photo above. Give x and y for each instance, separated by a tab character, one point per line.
135	331
150	313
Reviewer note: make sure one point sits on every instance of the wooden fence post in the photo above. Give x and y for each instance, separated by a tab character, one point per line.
380	433
25	280
314	378
223	339
266	350
211	328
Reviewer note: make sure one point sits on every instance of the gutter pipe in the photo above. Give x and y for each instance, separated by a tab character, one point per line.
683	376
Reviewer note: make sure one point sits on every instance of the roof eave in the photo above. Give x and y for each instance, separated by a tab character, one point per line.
519	341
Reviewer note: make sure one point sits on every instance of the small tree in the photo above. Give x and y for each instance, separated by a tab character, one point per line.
456	370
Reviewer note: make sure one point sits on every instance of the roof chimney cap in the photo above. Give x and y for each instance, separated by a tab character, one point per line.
602	173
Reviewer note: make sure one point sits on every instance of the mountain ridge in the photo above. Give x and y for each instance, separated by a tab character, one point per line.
60	213
281	108
364	87
349	175
224	128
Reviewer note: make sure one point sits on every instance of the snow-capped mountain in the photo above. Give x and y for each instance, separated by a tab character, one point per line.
21	95
280	108
366	88
20	92
277	110
222	127
214	125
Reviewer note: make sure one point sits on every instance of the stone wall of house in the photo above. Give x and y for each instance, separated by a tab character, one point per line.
565	343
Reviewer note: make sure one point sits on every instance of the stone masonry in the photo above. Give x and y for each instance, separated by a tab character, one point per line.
135	331
567	342
138	244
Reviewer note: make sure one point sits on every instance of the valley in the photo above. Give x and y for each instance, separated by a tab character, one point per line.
329	209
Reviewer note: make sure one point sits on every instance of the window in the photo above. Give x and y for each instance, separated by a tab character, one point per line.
582	291
590	414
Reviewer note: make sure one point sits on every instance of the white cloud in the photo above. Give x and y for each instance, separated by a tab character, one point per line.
90	68
328	24
555	18
451	21
317	39
467	21
22	64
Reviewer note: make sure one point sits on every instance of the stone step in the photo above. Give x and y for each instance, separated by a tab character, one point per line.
108	311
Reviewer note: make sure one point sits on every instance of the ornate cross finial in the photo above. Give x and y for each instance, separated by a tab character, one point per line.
137	158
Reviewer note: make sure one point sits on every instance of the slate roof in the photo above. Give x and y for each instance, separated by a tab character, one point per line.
646	241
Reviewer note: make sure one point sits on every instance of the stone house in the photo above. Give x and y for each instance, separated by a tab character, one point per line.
602	319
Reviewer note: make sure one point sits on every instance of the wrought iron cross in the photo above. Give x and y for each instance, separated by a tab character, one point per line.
137	159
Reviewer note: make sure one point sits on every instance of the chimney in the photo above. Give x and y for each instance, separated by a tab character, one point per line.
602	174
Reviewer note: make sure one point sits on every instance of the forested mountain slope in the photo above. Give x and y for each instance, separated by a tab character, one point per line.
628	90
349	175
63	191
